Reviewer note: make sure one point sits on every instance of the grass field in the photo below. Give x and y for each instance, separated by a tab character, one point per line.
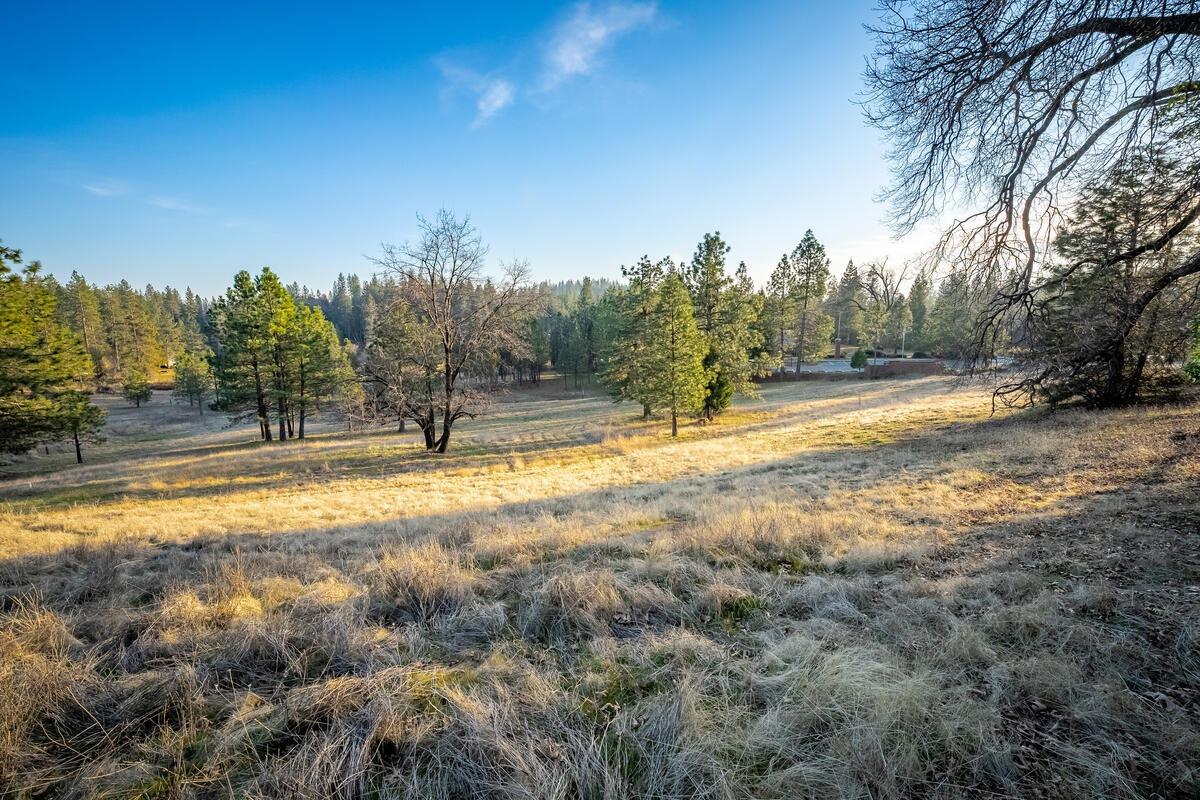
840	590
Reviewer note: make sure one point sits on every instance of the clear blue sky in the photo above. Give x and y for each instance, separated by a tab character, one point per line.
175	143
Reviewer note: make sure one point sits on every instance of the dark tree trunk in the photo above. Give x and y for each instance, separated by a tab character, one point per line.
427	432
264	419
303	411
645	411
78	451
674	423
401	429
1114	383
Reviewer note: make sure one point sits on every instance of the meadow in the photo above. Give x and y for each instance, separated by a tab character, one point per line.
843	590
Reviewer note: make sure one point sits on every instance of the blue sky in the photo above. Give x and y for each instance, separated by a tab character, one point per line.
175	143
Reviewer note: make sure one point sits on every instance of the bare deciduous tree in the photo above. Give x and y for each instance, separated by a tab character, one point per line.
1007	107
469	317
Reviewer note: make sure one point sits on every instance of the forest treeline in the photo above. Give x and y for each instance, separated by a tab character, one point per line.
430	335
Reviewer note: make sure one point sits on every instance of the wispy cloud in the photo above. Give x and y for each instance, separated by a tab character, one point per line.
177	204
492	93
107	187
497	95
115	187
574	47
578	43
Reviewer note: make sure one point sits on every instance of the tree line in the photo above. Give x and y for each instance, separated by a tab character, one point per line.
429	337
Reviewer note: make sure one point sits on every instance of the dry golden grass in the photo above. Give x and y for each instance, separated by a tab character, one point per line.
839	590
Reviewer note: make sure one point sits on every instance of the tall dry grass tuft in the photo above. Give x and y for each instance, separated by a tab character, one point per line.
423	580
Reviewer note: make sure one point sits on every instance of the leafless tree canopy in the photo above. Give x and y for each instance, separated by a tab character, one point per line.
453	305
1006	107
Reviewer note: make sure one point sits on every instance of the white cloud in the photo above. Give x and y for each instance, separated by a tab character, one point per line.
580	40
107	187
176	204
492	94
496	95
574	47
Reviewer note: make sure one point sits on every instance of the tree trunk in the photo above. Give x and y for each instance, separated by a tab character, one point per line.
401	430
78	451
645	411
1113	385
264	419
303	410
427	432
674	423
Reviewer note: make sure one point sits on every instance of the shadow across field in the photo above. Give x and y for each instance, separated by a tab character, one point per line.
874	472
550	438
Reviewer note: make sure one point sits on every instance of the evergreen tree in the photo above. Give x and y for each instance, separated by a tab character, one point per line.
1191	365
950	323
726	316
193	379
628	363
918	306
80	309
778	306
859	359
846	306
81	421
806	290
136	388
321	367
899	323
676	377
44	369
243	357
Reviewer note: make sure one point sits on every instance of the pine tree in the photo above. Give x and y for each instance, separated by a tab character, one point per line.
243	357
44	369
80	309
193	379
899	323
918	306
1191	364
81	421
628	367
320	363
846	307
136	388
778	306
726	316
676	377
806	290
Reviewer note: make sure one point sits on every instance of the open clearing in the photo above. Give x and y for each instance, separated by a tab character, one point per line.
842	590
